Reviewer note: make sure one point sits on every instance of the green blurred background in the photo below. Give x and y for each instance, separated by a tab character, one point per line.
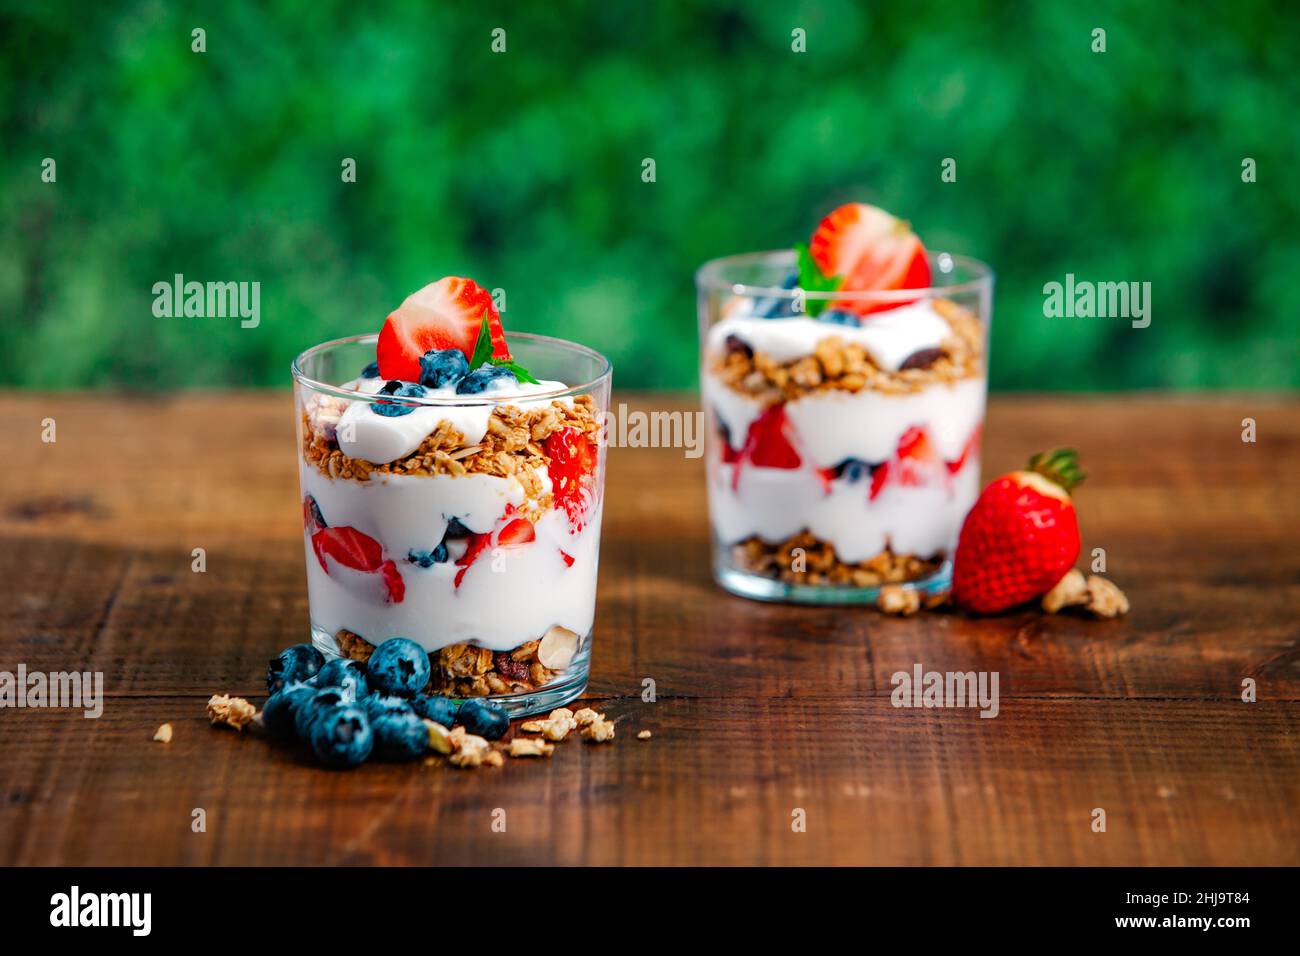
523	170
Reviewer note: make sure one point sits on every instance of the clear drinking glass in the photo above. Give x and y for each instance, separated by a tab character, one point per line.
843	450
485	553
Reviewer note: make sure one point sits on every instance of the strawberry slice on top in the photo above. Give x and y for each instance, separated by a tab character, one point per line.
872	251
446	314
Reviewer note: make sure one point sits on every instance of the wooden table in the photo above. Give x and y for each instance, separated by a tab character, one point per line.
761	709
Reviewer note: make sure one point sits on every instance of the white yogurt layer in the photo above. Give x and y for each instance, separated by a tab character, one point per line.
506	597
888	337
775	504
362	433
831	426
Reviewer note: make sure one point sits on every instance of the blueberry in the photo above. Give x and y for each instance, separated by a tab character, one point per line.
377	705
427	559
399	734
483	378
457	530
835	317
398	390
441	710
279	711
341	737
439	367
309	710
313	509
780	306
486	718
295	665
348	676
399	666
371	370
853	469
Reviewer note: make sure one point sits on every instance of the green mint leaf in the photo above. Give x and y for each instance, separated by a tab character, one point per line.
811	279
521	373
483	347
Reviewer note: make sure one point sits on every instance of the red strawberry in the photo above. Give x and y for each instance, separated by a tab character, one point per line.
446	314
972	444
872	251
572	469
768	443
517	532
358	551
1020	537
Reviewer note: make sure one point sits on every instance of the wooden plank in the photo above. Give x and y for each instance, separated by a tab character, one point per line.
761	708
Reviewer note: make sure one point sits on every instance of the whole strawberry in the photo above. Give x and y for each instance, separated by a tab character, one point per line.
1021	536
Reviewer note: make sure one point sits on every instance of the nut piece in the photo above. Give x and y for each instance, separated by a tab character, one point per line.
1105	599
439	737
894	599
231	711
644	735
555	727
1069	591
586	716
599	730
530	747
468	750
557	648
163	734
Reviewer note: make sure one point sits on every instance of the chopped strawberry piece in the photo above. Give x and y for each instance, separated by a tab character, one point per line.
878	478
872	251
915	444
512	534
972	444
827	475
572	468
568	558
446	314
768	443
349	547
393	580
517	532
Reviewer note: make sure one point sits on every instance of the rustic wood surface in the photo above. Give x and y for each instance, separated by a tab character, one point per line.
761	709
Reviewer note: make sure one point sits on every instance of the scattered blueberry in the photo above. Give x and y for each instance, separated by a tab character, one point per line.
371	370
295	665
441	710
377	705
309	710
341	736
439	367
483	378
836	317
317	516
427	559
457	530
399	734
399	666
348	676
777	307
486	718
853	469
279	711
398	390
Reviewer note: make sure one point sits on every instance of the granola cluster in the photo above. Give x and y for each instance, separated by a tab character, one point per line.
805	559
512	445
843	366
1094	594
463	670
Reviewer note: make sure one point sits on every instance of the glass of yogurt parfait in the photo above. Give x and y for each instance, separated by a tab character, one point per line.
844	384
452	490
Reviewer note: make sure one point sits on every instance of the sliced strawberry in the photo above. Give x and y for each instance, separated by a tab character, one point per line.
393	581
878	478
872	251
516	532
478	543
768	443
349	547
446	314
572	469
972	444
568	559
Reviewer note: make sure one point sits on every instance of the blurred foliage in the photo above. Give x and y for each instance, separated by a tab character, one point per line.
523	170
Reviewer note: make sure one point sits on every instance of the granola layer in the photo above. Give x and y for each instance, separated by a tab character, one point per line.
819	564
512	445
462	670
837	365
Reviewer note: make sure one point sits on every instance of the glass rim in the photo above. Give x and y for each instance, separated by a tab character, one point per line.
710	277
338	391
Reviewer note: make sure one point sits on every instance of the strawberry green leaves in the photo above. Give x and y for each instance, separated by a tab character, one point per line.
811	279
483	356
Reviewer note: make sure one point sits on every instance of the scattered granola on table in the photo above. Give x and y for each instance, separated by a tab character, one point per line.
163	734
230	711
